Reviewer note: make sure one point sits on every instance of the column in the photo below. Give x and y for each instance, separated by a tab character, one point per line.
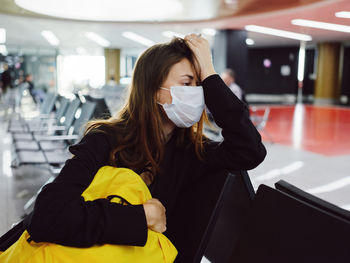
230	51
112	61
327	84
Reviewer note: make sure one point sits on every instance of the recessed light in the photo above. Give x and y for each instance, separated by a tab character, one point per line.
50	37
171	34
97	39
209	31
249	42
139	39
321	25
278	32
343	14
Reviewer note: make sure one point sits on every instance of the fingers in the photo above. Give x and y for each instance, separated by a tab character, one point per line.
201	50
155	215
193	39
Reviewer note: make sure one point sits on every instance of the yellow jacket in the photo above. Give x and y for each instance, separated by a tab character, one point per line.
108	181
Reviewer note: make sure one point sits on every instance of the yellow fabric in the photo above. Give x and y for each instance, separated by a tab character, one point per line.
108	181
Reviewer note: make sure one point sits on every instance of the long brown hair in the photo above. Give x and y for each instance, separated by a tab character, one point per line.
136	133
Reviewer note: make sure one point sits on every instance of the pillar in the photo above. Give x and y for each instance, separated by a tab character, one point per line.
112	62
231	51
327	84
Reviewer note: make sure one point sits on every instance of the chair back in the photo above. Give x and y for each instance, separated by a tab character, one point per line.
70	113
61	110
215	204
101	111
283	228
227	219
49	102
86	114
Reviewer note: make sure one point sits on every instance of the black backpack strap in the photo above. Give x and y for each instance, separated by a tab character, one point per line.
11	236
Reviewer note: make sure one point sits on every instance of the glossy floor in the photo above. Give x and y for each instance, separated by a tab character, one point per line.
308	146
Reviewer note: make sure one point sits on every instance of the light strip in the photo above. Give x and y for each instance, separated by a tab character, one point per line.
278	32
139	39
171	34
50	37
331	186
321	25
343	14
2	35
301	61
209	31
97	39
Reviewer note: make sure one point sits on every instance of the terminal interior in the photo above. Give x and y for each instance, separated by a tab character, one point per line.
291	58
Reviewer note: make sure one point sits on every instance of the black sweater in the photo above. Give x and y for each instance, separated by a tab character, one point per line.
62	216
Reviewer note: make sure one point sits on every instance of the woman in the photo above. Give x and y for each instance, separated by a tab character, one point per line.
158	134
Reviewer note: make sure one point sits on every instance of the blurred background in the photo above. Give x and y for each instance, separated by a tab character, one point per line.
291	60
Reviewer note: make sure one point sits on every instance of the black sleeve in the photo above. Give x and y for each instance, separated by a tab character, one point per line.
241	148
62	216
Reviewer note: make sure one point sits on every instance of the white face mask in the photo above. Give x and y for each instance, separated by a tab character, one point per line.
187	105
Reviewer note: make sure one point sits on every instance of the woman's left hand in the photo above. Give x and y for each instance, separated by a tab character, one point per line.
201	49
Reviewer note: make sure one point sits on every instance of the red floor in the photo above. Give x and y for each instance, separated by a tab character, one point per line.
318	129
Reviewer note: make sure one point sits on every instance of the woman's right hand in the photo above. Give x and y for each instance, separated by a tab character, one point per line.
155	215
201	49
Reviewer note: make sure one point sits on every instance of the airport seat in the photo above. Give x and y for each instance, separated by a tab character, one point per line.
31	140
204	209
287	226
101	111
56	157
23	125
260	121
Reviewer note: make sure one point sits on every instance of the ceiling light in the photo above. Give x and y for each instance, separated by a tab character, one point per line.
278	32
2	35
343	14
321	25
105	10
98	39
50	37
249	41
3	50
209	31
139	39
171	34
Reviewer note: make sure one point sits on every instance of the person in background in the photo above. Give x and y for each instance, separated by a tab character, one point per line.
229	77
6	80
30	86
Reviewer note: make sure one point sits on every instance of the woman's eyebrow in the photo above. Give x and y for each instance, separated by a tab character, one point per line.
187	75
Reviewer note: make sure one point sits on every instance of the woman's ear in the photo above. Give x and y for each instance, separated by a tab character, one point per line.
164	96
158	95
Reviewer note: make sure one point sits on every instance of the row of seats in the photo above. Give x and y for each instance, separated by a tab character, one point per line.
44	140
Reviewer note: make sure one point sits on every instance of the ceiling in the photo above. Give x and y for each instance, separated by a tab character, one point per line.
23	28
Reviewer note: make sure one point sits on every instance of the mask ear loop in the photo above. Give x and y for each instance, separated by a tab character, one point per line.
168	89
